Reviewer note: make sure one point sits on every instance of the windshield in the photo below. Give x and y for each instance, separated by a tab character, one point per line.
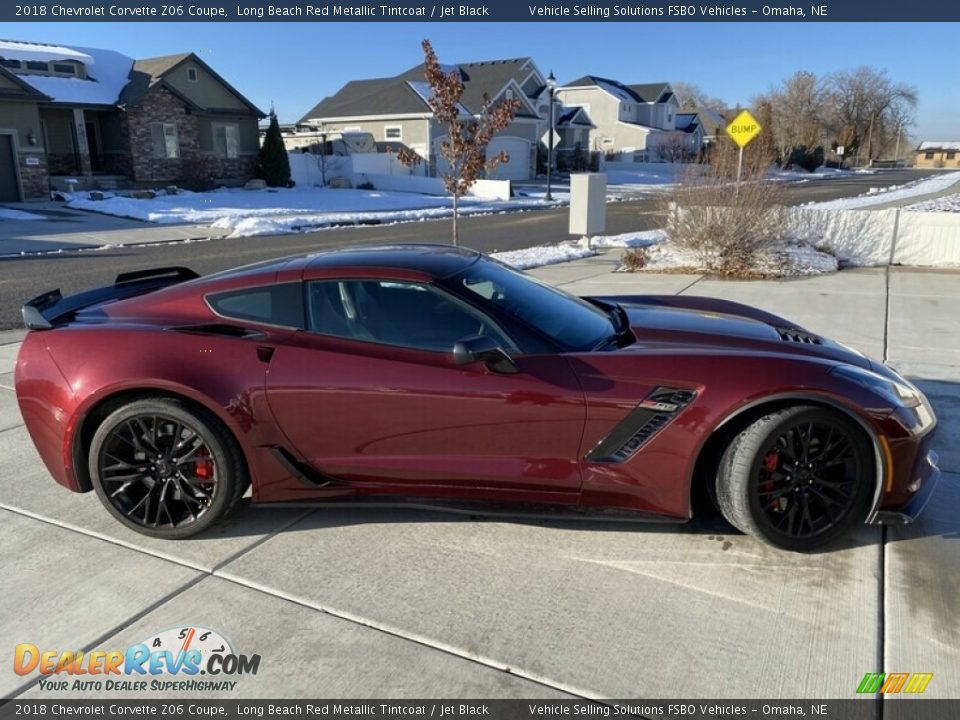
573	323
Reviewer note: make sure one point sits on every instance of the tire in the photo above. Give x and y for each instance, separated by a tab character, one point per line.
165	470
797	478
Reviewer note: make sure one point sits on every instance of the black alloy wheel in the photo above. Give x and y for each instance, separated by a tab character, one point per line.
797	478
164	470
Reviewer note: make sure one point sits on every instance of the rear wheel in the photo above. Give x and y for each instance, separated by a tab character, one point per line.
797	478
165	470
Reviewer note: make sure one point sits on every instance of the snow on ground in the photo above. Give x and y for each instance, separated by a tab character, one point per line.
646	176
261	212
792	258
641	238
821	173
11	214
879	196
947	203
543	255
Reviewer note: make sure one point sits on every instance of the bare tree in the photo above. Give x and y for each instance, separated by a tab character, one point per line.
869	109
692	96
465	146
673	147
798	110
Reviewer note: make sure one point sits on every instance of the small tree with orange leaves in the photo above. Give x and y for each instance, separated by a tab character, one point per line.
465	146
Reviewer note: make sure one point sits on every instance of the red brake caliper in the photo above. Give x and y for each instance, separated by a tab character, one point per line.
770	462
204	466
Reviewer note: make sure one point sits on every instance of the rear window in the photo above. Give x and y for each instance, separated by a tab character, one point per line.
270	304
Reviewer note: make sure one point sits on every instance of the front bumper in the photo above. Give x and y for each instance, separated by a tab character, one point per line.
927	474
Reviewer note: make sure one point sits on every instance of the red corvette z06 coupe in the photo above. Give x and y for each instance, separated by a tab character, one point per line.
433	375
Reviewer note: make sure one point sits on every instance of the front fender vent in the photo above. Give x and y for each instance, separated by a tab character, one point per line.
798	336
641	425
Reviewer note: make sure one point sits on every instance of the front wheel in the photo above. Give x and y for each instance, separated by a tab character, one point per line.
797	478
165	470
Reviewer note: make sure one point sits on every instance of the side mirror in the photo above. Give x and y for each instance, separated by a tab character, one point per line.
480	348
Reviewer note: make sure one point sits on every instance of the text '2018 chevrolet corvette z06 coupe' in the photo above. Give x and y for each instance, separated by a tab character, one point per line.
435	375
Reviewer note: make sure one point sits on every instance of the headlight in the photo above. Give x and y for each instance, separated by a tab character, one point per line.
900	393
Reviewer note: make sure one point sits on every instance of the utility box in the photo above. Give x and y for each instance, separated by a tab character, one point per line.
588	204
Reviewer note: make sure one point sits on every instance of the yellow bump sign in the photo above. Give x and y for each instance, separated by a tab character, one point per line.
743	129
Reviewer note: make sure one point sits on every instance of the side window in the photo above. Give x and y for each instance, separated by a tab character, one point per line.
270	304
405	314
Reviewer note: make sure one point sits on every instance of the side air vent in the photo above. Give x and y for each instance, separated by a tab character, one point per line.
648	418
798	336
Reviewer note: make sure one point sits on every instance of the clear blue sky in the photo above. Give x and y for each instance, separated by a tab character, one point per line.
294	65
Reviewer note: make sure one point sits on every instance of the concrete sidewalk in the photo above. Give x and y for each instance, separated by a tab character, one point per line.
400	603
63	228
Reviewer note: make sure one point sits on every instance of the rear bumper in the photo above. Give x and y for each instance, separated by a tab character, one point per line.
927	474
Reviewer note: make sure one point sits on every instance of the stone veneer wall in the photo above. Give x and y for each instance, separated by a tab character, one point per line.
194	168
160	105
34	178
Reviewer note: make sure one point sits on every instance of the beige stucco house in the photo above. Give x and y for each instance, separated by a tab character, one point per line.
632	121
105	120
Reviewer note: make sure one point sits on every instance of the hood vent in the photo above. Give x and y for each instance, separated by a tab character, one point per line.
798	336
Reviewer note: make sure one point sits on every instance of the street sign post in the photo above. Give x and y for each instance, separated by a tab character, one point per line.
742	130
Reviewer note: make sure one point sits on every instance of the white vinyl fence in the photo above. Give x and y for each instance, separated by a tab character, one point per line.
881	237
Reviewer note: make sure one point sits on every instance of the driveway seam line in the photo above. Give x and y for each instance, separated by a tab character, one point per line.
12	427
882	634
254	545
409	637
683	290
152	553
341	615
886	316
103	637
588	277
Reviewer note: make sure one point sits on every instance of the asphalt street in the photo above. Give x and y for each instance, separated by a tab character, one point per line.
24	277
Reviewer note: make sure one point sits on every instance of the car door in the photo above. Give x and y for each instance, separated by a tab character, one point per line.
369	394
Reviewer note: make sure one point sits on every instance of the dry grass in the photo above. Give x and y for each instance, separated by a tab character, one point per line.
634	259
726	226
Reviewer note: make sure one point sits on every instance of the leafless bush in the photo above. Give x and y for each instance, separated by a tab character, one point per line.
634	259
727	226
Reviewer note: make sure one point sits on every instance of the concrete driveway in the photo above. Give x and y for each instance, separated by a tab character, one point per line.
405	604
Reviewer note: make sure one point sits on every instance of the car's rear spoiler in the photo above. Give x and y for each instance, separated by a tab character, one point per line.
45	310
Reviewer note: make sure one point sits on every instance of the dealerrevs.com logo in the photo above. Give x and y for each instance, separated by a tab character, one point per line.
169	661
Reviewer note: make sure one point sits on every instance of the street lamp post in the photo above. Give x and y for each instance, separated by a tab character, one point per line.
552	86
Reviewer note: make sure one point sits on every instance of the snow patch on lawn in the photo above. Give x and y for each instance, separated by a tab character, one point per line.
245	212
879	196
947	203
642	238
821	173
791	258
543	255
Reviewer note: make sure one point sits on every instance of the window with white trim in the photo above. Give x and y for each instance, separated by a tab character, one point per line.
226	140
392	132
165	141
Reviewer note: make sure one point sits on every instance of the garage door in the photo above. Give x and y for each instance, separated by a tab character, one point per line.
9	188
518	167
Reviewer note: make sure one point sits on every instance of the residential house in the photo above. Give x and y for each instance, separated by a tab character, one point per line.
700	127
395	110
572	137
632	121
101	119
938	154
